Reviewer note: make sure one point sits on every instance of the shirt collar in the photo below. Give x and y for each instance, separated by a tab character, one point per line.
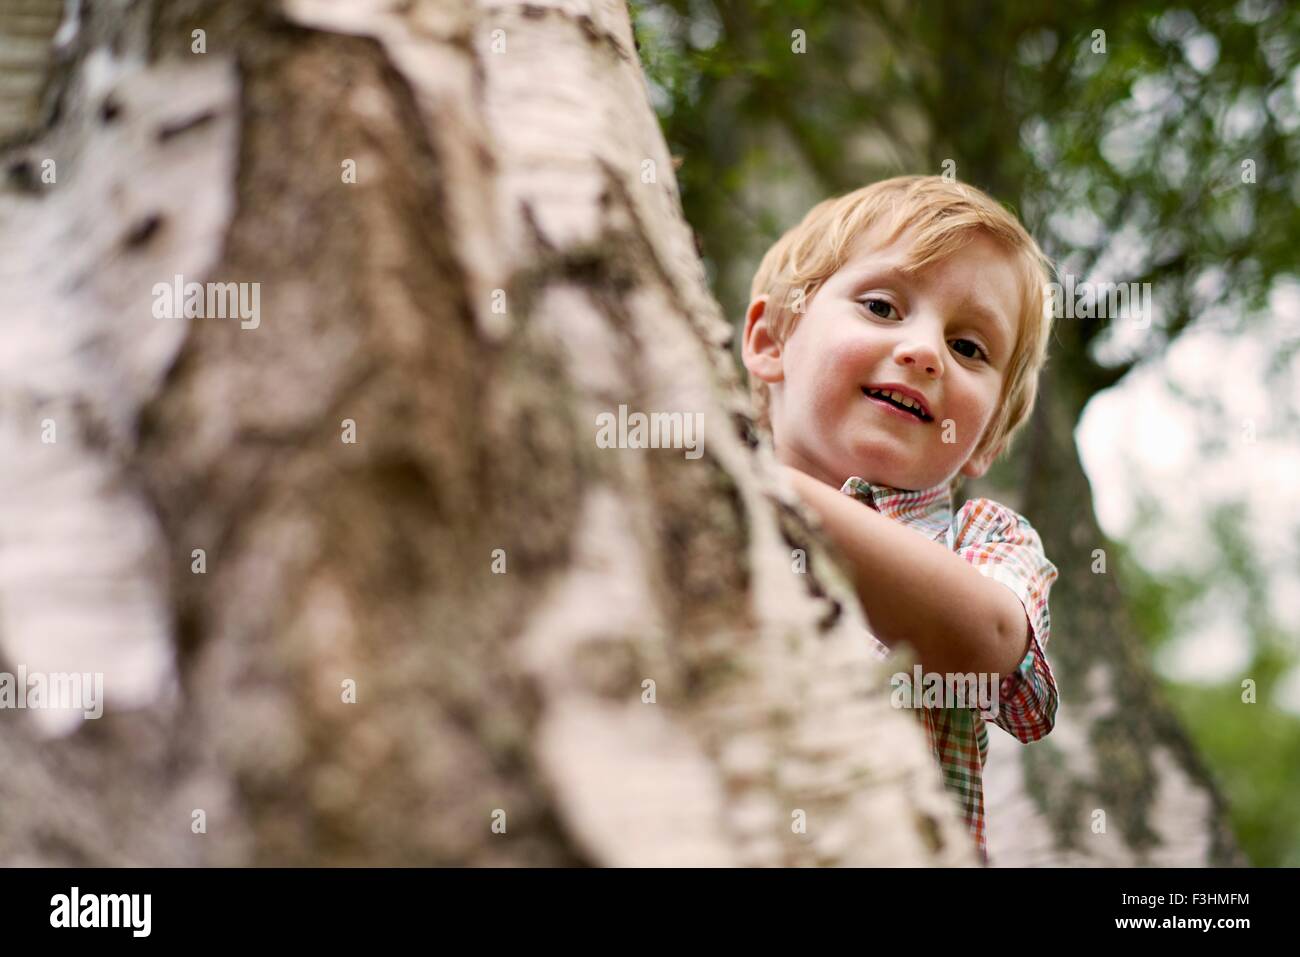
929	509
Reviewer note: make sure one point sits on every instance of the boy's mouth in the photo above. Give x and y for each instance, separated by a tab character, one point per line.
899	400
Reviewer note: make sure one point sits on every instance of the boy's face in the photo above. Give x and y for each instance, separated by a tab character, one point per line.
943	335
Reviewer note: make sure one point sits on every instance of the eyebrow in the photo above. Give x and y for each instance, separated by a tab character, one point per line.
879	274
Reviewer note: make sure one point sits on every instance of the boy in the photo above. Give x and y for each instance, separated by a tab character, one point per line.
893	341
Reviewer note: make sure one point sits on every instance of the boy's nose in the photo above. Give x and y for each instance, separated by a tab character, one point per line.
919	355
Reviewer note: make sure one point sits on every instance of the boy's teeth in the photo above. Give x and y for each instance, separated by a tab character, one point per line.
898	397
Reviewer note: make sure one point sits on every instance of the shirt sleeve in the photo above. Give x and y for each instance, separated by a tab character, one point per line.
1003	546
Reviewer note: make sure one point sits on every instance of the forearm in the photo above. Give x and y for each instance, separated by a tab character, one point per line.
916	590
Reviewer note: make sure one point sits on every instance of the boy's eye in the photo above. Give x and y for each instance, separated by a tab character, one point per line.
879	307
964	347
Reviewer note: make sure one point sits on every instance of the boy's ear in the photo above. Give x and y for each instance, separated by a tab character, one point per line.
759	348
979	463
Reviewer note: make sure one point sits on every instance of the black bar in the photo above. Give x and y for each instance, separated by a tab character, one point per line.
334	906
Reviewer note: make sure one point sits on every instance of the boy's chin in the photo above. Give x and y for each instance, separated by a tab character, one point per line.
903	479
879	467
881	463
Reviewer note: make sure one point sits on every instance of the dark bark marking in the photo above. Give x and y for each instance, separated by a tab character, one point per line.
142	231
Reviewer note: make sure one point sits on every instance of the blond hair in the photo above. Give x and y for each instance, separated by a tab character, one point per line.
944	217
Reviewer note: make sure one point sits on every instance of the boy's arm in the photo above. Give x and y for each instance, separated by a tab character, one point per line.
915	590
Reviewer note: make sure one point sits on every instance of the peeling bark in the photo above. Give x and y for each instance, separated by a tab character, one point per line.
27	63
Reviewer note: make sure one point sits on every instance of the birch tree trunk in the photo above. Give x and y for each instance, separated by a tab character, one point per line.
361	583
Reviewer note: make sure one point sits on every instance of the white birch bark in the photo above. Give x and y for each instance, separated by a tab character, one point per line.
491	167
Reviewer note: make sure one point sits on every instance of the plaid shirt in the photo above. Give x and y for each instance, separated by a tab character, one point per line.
1003	546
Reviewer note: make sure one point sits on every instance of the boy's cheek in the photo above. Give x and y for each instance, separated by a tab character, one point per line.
854	359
